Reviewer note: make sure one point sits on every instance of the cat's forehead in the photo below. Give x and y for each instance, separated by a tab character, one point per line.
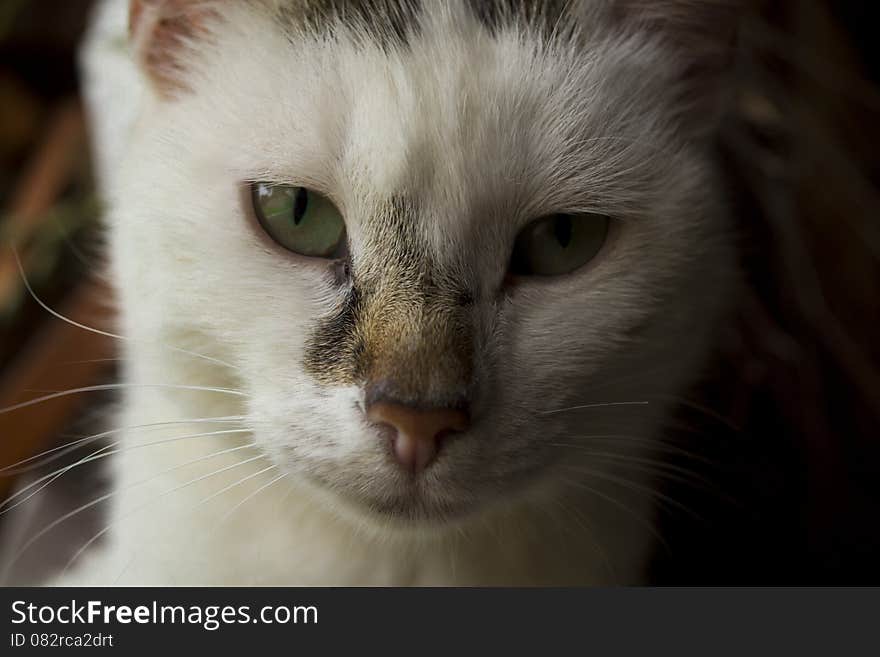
477	122
396	22
464	111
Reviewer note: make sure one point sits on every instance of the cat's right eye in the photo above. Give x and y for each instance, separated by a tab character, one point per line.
299	219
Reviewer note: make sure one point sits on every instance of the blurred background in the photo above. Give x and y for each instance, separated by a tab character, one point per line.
49	213
786	423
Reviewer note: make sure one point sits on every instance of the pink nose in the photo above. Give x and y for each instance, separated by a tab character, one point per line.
416	434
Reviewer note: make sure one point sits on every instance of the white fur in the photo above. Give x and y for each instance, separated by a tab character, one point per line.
488	133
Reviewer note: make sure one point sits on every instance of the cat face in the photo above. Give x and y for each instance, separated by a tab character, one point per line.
440	133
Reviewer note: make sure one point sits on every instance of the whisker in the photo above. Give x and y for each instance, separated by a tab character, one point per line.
586	449
116	386
642	521
107	334
632	485
689	403
97	455
666	471
73	445
596	405
234	485
107	528
196	506
571	510
251	496
89	361
655	444
588	528
116	492
642	374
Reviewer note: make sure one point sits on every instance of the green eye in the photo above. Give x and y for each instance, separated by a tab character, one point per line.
299	219
558	244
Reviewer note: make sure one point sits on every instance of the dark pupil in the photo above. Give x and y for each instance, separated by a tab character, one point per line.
300	205
562	229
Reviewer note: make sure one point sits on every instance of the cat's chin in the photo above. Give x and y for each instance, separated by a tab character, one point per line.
431	503
407	515
403	512
423	509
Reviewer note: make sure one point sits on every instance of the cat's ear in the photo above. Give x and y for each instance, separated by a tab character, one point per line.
164	34
700	39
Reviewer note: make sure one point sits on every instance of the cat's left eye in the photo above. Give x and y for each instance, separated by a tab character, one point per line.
558	244
299	219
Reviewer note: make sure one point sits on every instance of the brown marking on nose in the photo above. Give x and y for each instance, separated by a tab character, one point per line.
406	319
416	433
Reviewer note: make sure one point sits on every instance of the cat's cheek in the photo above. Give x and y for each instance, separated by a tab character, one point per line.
299	423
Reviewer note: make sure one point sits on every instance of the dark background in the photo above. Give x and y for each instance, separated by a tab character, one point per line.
786	423
789	416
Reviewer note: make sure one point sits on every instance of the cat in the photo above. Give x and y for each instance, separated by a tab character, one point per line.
408	290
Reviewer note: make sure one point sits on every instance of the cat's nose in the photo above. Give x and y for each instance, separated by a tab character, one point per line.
416	433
